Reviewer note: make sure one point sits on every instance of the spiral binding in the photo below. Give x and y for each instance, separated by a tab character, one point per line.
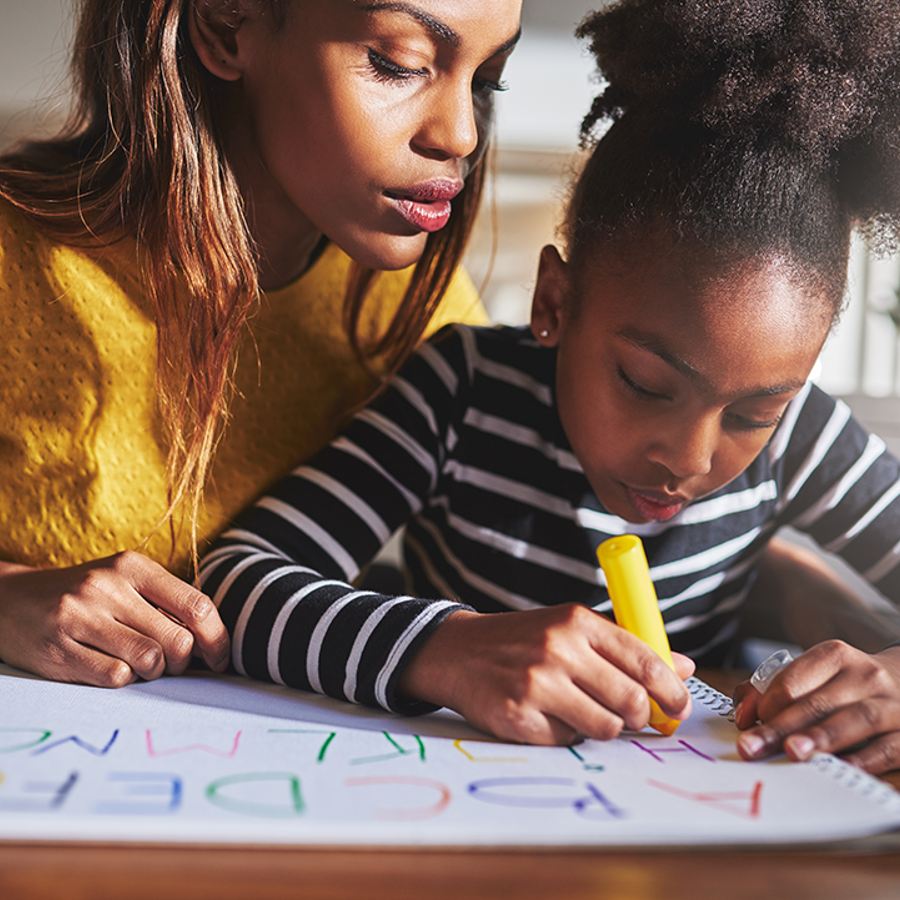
856	780
715	700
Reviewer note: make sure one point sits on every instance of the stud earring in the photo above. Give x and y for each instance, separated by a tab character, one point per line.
544	333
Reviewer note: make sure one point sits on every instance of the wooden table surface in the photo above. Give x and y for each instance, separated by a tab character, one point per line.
127	872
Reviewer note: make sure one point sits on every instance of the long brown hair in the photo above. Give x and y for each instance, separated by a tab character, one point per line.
141	157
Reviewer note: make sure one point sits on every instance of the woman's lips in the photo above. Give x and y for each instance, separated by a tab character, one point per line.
655	505
425	206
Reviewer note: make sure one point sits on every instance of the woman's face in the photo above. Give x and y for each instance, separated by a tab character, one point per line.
362	117
670	383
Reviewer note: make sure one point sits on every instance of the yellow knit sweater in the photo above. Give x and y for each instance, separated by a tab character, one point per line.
82	457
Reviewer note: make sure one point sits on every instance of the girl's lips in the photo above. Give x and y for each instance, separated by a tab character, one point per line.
654	505
425	206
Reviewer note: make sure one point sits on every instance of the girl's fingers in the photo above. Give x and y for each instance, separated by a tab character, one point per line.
882	754
536	724
746	701
684	665
810	673
544	676
604	689
607	703
858	702
556	706
851	725
645	673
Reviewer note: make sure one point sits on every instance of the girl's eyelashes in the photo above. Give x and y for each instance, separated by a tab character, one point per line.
634	388
745	424
739	422
385	69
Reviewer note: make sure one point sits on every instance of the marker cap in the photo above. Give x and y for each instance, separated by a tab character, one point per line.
769	668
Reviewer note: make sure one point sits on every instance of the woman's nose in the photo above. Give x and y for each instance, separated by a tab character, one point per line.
450	127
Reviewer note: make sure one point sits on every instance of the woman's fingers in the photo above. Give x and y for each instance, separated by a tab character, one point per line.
70	661
106	622
190	607
145	639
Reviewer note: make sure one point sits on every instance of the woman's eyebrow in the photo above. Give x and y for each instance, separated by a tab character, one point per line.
438	28
435	26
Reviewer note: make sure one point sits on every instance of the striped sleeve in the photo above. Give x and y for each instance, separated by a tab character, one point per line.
841	485
281	576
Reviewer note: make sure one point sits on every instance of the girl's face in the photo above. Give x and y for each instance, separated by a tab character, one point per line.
361	118
669	383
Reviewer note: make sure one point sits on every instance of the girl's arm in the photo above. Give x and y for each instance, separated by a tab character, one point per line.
842	488
282	576
797	597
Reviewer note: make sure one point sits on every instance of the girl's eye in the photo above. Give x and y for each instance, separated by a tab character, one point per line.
634	388
386	70
745	424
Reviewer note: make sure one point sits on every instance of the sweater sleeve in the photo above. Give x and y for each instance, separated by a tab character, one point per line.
281	577
841	485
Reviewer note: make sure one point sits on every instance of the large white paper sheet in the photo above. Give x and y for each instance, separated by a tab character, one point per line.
212	759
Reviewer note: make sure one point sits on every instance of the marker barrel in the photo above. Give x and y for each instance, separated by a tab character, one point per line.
636	606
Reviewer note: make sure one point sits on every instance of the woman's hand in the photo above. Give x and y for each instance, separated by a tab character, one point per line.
545	676
107	622
829	700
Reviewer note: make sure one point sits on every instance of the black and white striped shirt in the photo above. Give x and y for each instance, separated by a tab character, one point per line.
466	449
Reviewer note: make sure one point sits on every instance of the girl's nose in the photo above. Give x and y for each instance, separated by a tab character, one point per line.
688	451
450	127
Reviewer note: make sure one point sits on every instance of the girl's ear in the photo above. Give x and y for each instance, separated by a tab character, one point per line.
549	295
213	27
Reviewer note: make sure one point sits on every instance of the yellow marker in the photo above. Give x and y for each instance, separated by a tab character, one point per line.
636	607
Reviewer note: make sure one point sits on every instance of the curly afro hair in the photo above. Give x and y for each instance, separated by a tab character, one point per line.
749	126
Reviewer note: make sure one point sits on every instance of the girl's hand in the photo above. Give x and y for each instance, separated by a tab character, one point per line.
830	699
106	623
545	676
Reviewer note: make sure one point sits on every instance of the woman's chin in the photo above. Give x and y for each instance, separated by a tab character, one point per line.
385	252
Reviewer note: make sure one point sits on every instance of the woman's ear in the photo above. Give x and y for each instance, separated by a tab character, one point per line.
213	27
549	295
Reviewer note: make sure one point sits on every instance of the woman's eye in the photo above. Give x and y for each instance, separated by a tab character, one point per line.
633	387
480	84
387	70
